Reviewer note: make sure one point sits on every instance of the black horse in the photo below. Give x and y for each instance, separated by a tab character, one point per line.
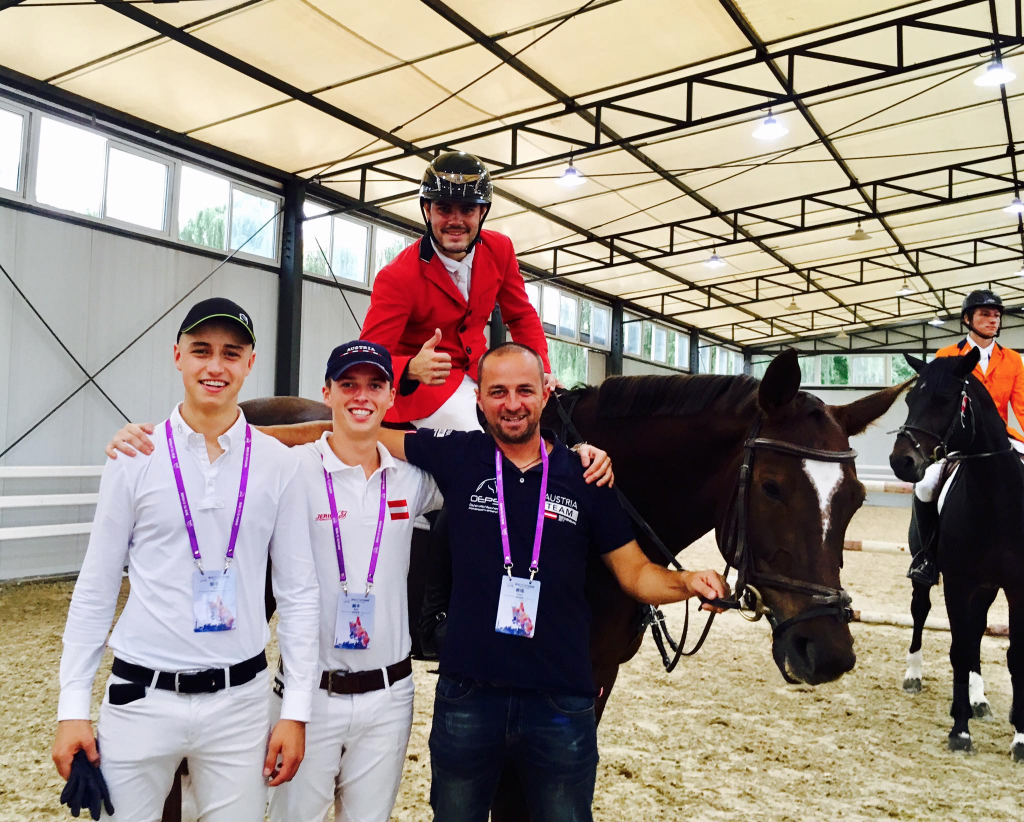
951	415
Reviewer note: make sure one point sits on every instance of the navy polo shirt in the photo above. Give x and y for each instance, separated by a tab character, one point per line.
581	520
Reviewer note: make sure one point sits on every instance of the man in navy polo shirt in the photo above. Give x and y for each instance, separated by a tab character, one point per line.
516	681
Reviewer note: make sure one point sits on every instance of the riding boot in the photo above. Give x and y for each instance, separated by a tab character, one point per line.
924	541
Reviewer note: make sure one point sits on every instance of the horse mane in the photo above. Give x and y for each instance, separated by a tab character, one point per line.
675	395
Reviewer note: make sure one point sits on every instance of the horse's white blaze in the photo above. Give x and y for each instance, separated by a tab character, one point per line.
1018	739
915	665
825	477
976	688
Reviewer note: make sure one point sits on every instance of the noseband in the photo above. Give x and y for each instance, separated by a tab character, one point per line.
824	601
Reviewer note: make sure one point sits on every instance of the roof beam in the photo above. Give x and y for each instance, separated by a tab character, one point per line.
793	56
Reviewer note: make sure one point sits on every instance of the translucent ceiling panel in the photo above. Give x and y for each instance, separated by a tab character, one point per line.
173	86
502	91
268	35
406	29
493	18
37	42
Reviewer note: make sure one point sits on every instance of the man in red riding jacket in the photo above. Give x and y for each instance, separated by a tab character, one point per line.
430	305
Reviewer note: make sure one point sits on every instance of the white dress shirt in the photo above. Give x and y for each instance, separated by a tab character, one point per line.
410	492
460	270
139	521
986	353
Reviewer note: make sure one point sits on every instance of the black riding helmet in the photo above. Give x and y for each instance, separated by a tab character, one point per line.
457	177
982	298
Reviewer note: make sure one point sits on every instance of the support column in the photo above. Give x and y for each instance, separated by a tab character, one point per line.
289	298
748	361
498	330
694	351
615	355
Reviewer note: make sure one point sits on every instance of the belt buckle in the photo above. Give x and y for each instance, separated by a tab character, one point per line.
333	677
178	674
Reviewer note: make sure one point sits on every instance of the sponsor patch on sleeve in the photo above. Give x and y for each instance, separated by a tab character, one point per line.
442	432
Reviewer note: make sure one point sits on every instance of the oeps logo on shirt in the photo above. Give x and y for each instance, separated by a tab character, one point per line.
561	509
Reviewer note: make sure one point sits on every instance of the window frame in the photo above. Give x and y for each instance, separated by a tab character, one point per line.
169	200
25	164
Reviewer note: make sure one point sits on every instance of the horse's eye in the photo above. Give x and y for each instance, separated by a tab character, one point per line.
771	489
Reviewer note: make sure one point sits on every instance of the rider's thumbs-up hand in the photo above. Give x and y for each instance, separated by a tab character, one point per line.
431	367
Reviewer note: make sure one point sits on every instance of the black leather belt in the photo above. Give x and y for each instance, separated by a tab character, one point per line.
192	682
342	683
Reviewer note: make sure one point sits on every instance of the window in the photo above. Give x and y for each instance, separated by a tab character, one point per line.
567	307
708	358
645	341
550	309
316	239
348	257
253	223
835	369
901	371
12	127
72	162
600	322
659	345
682	351
136	189
387	246
631	335
867	370
203	208
725	362
568	362
533	295
758	367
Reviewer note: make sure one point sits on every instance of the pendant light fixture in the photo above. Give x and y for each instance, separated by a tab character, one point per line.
842	335
714	261
996	74
571	177
770	129
859	235
792	304
905	289
936	320
1016	206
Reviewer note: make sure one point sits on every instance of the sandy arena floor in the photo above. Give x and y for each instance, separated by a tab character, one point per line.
722	738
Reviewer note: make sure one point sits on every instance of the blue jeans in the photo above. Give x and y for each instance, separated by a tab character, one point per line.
550	738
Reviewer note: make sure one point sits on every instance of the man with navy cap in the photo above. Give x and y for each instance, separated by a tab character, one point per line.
195	521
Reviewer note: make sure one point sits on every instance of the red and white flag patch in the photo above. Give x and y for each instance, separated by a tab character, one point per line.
550	514
398	508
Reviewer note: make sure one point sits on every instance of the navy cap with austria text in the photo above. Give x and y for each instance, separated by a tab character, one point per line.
217	308
359	352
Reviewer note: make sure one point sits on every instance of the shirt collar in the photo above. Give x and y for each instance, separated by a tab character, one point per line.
234	437
454	265
558	463
333	464
984	351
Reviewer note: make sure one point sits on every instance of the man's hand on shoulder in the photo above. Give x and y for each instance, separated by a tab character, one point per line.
133	436
597	463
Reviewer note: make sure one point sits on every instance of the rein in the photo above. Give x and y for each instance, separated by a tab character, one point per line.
747	599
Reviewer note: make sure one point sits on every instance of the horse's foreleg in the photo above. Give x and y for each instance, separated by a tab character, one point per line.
1015	663
920	606
980	603
958	608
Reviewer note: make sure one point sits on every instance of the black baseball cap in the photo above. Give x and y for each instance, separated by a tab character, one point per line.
359	352
217	308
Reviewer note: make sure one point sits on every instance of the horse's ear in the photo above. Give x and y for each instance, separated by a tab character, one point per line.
780	382
915	363
966	363
856	416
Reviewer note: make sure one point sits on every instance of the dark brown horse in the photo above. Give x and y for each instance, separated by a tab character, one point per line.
677	443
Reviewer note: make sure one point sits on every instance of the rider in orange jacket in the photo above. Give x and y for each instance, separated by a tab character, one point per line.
1001	371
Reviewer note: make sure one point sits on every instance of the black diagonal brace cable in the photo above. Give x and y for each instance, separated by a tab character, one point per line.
60	342
145	331
341	288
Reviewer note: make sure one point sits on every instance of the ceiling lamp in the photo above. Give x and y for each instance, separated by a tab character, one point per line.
1015	206
995	75
1020	271
905	289
792	304
859	235
842	335
936	321
770	129
714	261
571	177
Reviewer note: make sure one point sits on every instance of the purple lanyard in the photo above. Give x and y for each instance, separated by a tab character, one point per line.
337	529
503	519
183	498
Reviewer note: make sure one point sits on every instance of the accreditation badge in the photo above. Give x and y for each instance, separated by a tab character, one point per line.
213	600
517	606
354	625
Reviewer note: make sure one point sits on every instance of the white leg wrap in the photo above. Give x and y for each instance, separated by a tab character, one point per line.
1018	739
927	489
915	665
976	688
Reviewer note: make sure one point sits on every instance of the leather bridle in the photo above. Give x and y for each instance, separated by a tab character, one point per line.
747	598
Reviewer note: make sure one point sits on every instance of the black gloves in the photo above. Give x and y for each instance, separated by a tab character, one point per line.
86	788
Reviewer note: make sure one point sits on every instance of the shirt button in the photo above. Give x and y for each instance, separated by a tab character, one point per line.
522	479
469	350
462	329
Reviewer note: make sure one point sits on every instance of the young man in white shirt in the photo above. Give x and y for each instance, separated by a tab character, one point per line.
195	521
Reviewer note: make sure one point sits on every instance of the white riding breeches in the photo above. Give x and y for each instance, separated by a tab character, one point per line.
458	412
223	735
355	751
931	485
